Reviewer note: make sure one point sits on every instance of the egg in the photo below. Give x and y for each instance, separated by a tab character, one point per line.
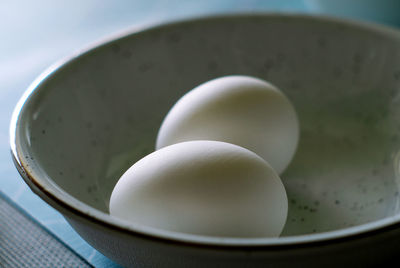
242	110
206	188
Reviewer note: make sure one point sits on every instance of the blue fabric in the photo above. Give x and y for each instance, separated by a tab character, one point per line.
25	243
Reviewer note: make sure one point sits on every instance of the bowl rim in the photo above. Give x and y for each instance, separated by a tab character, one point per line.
69	204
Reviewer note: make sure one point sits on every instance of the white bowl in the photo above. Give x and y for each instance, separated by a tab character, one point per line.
86	120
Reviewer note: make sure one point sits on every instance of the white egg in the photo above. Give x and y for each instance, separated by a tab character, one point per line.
242	110
203	187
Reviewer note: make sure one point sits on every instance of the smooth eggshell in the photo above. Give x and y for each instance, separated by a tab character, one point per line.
242	110
203	187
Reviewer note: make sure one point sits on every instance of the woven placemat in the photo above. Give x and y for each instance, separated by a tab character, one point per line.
26	243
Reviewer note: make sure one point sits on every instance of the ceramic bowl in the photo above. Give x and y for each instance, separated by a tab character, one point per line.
86	120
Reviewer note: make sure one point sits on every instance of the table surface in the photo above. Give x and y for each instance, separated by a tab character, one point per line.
37	33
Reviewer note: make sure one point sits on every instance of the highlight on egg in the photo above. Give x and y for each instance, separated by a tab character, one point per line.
203	187
242	110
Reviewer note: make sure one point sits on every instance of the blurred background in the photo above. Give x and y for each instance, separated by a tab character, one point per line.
35	34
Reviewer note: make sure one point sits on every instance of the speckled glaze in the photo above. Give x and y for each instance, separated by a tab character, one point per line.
86	120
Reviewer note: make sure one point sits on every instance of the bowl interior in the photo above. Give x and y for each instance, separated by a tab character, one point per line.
92	118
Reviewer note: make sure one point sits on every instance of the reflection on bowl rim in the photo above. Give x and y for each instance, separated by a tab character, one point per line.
73	205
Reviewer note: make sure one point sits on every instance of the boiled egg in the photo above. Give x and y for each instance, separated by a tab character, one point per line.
202	187
237	109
